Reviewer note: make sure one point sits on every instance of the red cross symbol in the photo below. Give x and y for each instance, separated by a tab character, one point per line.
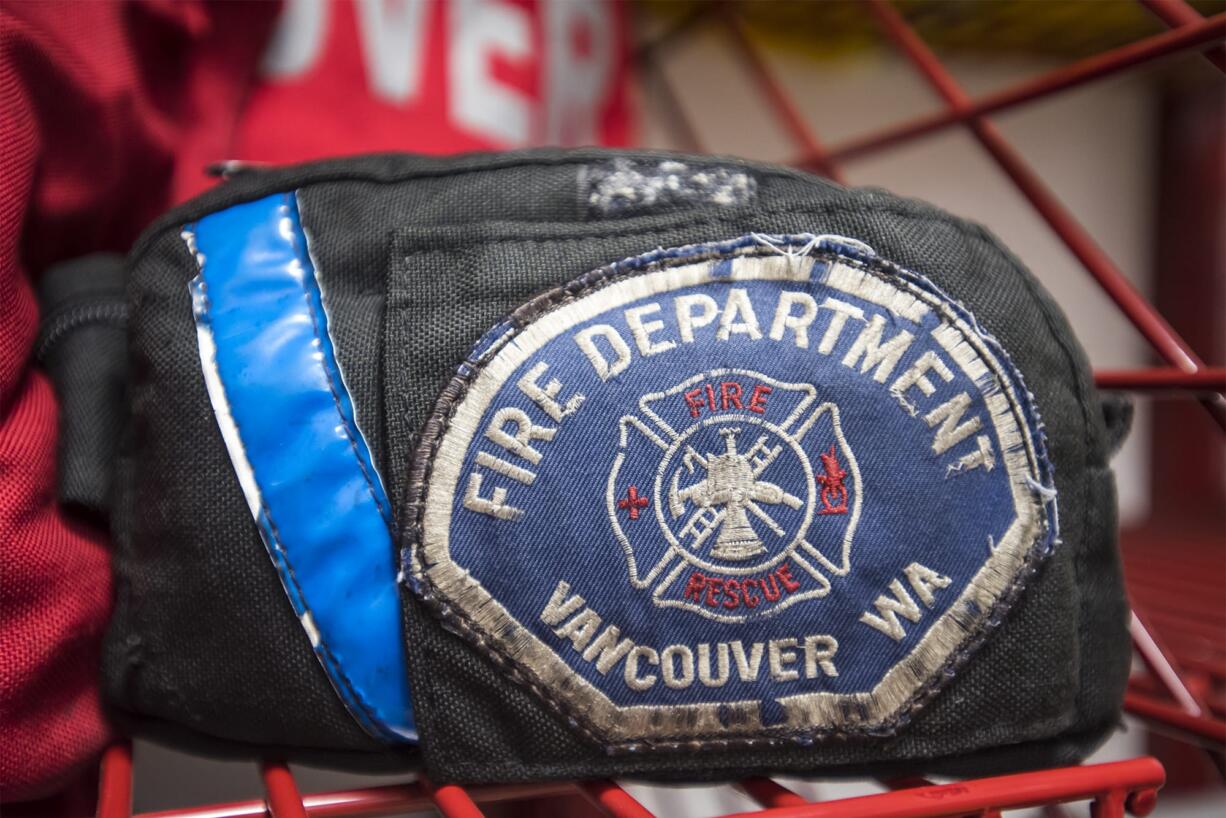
632	502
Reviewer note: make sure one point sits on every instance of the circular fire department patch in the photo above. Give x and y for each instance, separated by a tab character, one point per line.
770	488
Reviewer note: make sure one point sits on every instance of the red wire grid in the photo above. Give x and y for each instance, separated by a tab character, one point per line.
1184	657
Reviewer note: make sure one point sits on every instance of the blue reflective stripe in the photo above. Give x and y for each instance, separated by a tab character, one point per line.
304	466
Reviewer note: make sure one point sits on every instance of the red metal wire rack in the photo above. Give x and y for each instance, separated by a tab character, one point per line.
1112	789
1183	687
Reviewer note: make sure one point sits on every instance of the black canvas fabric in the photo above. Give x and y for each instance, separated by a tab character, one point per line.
419	256
202	636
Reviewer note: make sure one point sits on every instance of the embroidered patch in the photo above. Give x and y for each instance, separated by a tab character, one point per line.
775	488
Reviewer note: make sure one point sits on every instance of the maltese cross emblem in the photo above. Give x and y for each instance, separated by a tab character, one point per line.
754	490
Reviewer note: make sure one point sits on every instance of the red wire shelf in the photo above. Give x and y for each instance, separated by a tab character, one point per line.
1182	689
1112	789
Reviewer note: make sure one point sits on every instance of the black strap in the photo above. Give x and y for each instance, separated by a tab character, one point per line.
82	346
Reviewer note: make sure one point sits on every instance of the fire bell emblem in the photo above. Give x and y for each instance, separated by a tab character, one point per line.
755	495
732	486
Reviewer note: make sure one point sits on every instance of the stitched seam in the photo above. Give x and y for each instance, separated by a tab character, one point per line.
578	767
932	215
1082	401
418	487
462	243
332	390
324	648
705	220
186	213
358	697
705	217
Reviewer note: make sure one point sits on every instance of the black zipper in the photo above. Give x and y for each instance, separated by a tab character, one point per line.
66	319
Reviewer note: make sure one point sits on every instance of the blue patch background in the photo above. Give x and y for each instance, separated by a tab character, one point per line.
910	512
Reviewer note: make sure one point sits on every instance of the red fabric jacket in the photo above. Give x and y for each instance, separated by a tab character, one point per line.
108	113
